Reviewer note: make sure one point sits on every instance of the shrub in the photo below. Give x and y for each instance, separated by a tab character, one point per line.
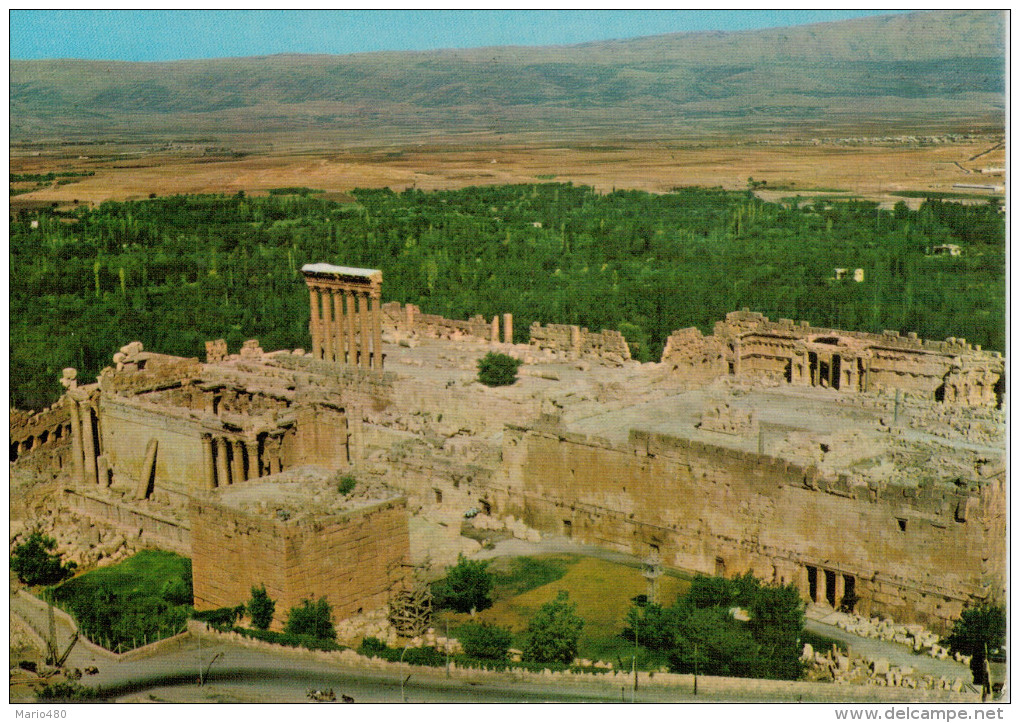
34	564
371	647
67	691
261	608
481	640
553	633
311	618
497	370
346	485
220	616
709	592
467	586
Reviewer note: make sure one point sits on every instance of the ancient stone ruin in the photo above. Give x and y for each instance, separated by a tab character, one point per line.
867	469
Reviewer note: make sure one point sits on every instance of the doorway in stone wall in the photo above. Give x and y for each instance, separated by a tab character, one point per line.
812	581
568	528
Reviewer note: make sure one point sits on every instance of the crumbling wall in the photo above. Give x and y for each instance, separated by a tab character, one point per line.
45	435
408	318
915	553
354	560
579	342
695	356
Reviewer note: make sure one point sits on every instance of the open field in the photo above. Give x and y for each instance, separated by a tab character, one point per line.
869	170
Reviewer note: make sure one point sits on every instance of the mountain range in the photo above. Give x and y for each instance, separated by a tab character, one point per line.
918	71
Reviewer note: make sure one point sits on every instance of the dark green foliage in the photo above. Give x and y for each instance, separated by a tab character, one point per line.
375	648
706	592
36	565
497	370
710	639
289	639
220	616
346	484
978	630
130	603
205	267
554	631
699	628
71	691
314	619
481	640
777	619
261	608
467	586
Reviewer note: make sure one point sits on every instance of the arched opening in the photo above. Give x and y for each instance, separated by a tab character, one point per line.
14	451
1000	390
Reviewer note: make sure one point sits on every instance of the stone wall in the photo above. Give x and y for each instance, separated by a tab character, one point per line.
915	554
31	432
579	342
354	559
156	530
408	319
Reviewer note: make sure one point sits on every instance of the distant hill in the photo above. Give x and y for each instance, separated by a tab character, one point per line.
938	67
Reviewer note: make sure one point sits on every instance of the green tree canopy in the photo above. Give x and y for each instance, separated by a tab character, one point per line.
553	633
261	608
312	618
467	586
36	565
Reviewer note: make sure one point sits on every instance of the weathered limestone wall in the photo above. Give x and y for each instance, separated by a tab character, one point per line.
716	510
578	341
354	560
127	429
408	318
696	357
31	431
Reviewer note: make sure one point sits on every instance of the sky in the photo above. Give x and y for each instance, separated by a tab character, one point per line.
154	35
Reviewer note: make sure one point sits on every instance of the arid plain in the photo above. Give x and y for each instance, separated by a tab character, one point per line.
870	168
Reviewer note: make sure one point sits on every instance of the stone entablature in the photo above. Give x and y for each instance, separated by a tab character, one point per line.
346	320
749	344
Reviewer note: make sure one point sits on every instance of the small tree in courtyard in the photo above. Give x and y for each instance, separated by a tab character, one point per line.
481	640
554	632
35	565
261	608
312	618
467	586
497	370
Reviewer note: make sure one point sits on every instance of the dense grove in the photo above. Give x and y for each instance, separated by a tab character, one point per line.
174	272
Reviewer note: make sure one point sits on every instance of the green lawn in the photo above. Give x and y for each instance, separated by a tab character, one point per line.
146	597
601	590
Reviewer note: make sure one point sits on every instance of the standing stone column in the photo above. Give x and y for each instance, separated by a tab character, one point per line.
840	589
253	460
363	342
88	432
508	328
208	465
314	325
494	332
238	460
338	331
76	442
376	304
275	467
823	587
328	326
222	470
352	349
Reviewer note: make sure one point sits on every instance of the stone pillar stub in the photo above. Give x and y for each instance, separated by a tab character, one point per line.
494	332
208	467
222	469
508	328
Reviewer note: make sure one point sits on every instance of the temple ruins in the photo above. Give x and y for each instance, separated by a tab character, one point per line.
867	469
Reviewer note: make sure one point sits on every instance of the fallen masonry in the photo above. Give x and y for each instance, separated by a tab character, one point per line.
867	469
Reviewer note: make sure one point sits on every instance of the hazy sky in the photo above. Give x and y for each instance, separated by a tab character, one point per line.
177	34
